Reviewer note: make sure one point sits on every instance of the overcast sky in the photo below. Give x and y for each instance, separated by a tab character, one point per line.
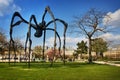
63	9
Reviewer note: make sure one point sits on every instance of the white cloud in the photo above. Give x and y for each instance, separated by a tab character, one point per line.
70	41
106	36
8	6
5	2
109	36
112	19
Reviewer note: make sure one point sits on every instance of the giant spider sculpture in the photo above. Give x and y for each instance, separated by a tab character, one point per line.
40	29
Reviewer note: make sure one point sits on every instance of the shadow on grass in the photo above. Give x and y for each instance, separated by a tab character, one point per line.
3	65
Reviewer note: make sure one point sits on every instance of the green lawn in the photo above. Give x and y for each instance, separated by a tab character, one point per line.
71	71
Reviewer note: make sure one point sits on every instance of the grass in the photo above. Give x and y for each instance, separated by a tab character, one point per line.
71	71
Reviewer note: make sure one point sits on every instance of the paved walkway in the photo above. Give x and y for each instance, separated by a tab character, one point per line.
109	63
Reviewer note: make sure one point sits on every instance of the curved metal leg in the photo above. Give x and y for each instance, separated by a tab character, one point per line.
47	9
64	34
44	45
29	36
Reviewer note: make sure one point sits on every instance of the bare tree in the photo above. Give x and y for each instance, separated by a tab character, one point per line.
3	42
16	49
89	24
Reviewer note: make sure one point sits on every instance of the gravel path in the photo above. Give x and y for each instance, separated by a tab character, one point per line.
109	63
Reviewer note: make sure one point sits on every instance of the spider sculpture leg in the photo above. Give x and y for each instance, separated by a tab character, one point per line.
64	34
58	38
47	9
54	21
28	38
12	24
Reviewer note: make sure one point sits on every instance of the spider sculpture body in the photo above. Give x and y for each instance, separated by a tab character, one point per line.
40	29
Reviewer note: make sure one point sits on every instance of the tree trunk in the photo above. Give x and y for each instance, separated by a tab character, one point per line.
96	55
89	51
81	56
101	54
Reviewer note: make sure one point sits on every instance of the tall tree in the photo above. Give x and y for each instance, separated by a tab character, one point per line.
81	48
99	46
89	24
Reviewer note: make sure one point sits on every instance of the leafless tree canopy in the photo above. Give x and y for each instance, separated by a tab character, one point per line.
90	23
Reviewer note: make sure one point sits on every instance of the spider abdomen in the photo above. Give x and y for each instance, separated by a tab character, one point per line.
38	33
